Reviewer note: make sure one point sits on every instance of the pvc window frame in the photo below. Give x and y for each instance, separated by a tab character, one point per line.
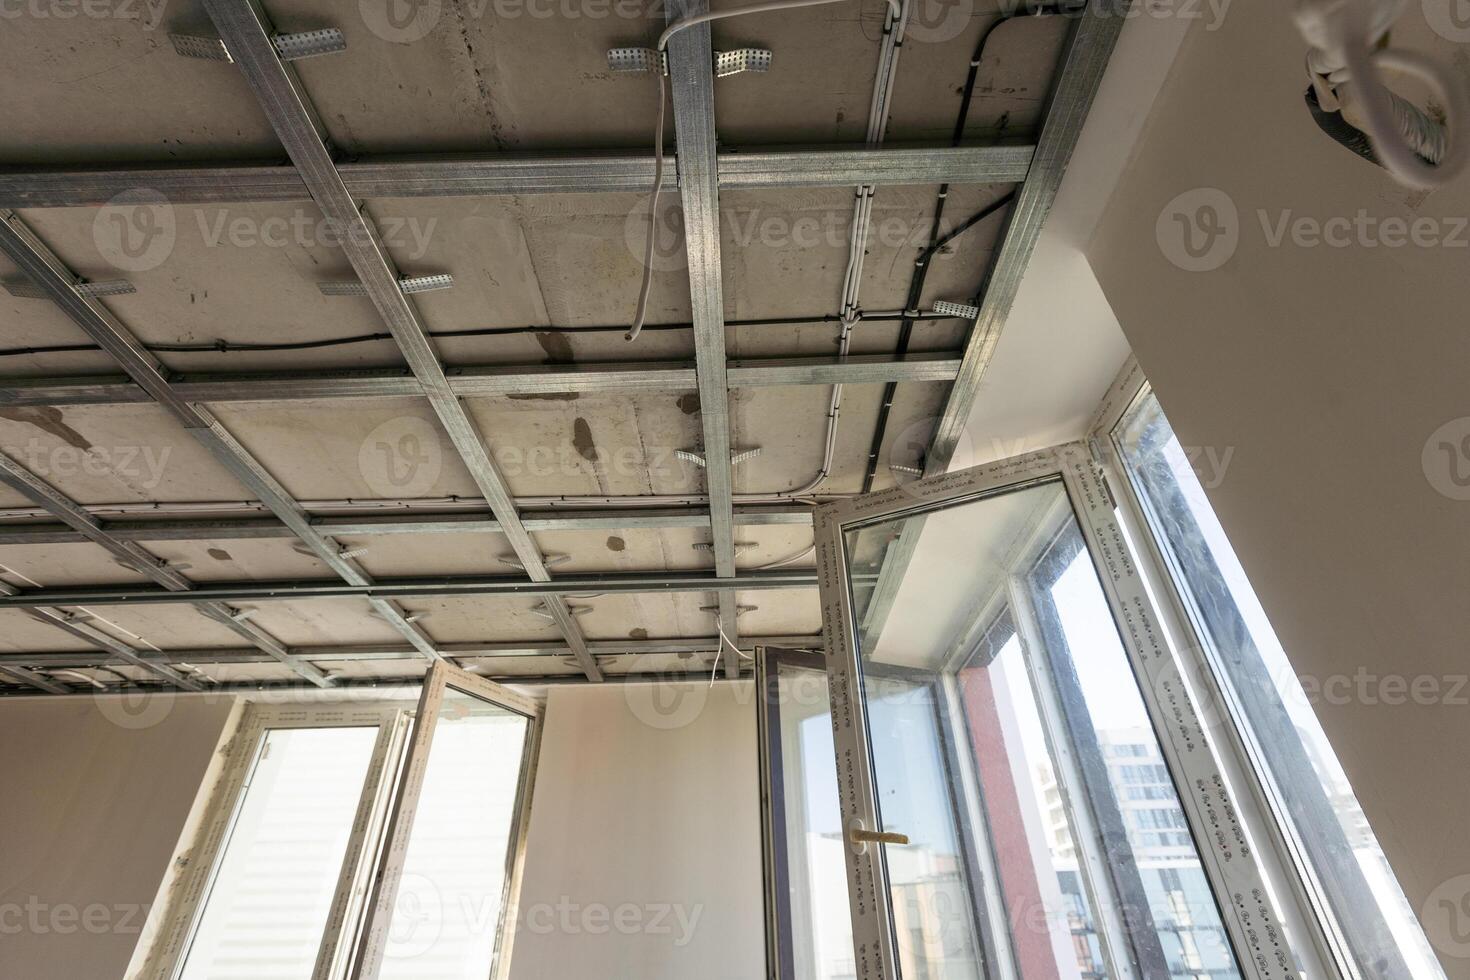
1251	921
354	937
1334	945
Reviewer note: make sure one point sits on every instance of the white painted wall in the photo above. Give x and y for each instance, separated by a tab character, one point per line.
93	798
1326	370
644	853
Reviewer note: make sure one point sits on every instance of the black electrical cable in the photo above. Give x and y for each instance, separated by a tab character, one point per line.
936	242
225	346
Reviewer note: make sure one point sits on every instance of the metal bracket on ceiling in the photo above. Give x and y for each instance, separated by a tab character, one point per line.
962	310
405	617
736	457
25	289
409	284
289	47
726	62
741	60
539	609
343	553
143	565
548	561
739	610
741	547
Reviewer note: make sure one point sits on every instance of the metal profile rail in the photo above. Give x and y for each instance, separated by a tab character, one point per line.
518	174
117	651
131	555
692	84
480	380
243	27
82	660
1093	37
42	267
256	528
447	587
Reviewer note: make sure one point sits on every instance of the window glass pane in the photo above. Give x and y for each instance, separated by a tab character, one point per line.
1053	925
933	921
267	905
446	917
821	923
1131	783
1342	859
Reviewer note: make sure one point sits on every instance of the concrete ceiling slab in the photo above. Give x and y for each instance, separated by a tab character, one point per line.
164	627
110	88
322	622
113	453
483	77
480	619
19	633
32	566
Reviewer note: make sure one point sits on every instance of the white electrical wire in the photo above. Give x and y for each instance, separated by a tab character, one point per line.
641	313
720	649
1343	35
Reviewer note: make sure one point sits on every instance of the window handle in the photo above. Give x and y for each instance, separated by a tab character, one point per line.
859	836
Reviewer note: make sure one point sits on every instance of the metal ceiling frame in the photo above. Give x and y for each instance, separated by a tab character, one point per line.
81	659
1089	48
439	586
244	27
132	556
692	87
43	268
701	173
519	174
117	650
481	381
265	528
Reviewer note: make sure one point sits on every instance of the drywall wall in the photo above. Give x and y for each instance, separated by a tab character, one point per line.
1325	348
95	794
644	852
